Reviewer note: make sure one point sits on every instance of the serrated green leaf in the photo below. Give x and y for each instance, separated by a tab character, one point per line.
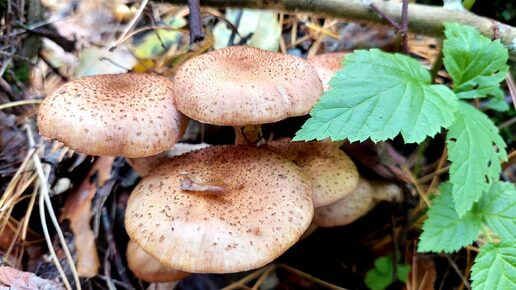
475	149
498	208
444	230
379	95
380	277
495	267
497	101
475	63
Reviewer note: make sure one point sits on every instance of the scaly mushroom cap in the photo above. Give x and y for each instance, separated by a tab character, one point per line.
130	115
240	85
347	209
220	209
333	173
147	268
327	64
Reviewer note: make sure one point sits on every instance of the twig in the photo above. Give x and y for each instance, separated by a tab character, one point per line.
262	278
53	68
247	279
457	270
404	26
310	277
386	17
108	229
512	88
194	21
231	40
423	19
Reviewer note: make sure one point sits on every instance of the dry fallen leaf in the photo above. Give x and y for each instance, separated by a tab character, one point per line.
77	209
18	280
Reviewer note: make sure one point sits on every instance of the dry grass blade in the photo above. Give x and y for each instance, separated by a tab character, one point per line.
20	103
44	199
241	283
130	25
310	277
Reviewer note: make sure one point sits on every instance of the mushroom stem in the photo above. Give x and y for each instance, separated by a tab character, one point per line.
239	136
247	135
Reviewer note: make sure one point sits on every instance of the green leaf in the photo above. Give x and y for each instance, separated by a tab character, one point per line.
475	63
497	101
475	149
378	95
495	267
498	208
444	230
380	277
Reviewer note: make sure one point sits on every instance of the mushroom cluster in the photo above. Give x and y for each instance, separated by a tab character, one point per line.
217	209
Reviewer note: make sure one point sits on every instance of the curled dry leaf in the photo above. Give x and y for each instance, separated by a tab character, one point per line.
77	209
16	279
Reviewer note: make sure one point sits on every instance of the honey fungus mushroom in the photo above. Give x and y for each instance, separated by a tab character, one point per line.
332	172
220	209
241	86
130	115
356	204
327	64
149	269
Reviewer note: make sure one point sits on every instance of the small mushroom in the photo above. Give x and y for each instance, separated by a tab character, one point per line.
356	204
147	268
332	172
327	64
130	115
261	207
241	86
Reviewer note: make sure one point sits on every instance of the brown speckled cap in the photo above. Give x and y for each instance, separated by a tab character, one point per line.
347	209
240	85
332	172
254	206
147	268
327	64
131	115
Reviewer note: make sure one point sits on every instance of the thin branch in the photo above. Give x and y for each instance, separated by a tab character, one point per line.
422	19
386	17
404	26
194	21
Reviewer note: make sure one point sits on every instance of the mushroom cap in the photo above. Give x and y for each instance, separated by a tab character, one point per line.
144	165
327	64
241	85
147	268
256	204
347	209
333	173
129	114
386	191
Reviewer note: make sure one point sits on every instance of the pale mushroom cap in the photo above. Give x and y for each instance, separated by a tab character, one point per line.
130	115
264	208
333	173
240	85
144	165
386	191
147	268
327	64
348	209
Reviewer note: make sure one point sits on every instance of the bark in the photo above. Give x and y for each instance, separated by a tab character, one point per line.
423	19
